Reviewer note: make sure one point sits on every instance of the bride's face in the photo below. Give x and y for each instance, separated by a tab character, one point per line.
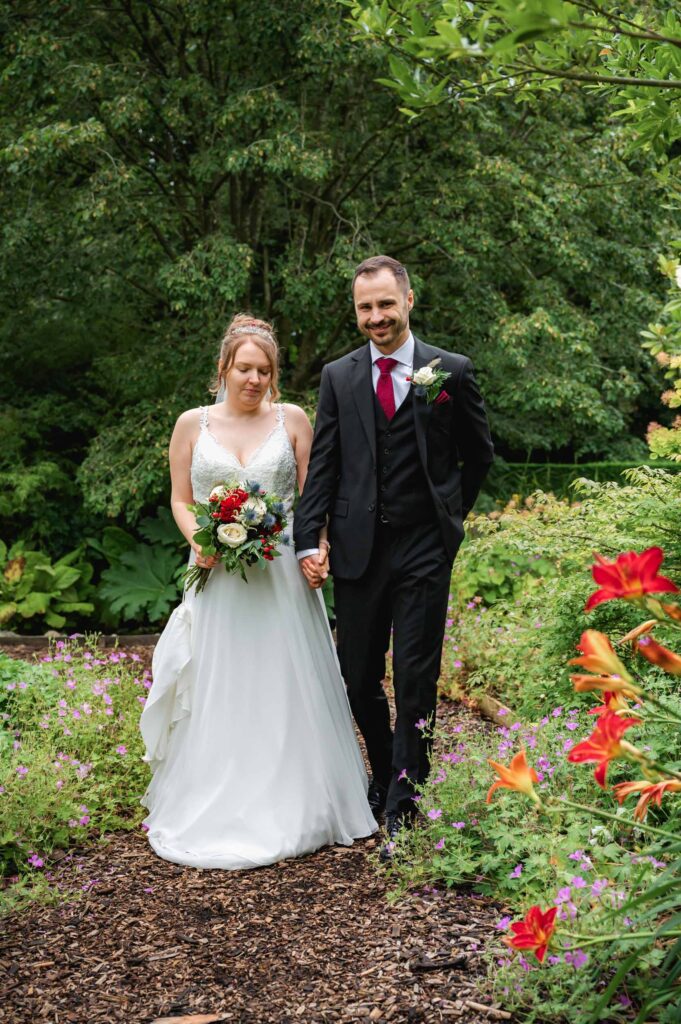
249	377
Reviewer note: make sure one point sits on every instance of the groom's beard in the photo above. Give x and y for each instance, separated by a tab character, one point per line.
395	328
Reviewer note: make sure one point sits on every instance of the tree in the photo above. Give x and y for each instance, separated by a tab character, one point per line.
167	164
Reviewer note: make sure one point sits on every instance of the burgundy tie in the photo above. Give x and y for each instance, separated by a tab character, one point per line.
384	388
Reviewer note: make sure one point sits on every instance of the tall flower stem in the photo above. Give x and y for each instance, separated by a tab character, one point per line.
649	699
592	940
610	817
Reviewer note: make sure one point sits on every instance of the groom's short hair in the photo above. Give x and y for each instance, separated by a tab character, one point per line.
376	263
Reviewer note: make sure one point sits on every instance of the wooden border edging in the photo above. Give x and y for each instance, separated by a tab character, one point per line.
110	640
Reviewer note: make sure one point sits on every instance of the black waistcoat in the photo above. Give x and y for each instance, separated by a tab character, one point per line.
403	493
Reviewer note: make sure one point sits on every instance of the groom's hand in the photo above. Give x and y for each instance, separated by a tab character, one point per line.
315	568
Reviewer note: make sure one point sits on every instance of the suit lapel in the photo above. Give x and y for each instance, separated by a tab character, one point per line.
421	407
363	394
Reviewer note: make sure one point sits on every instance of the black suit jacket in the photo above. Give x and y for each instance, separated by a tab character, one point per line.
454	446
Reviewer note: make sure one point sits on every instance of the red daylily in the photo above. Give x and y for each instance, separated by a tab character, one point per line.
604	744
598	656
534	932
630	576
518	776
659	655
612	701
650	792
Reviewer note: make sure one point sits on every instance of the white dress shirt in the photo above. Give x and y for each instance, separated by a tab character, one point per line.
404	356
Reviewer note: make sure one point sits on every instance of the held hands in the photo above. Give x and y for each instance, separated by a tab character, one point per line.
315	568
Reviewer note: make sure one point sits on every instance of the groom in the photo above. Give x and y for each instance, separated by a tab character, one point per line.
396	465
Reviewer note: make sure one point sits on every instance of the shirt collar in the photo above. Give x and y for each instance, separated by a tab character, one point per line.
404	354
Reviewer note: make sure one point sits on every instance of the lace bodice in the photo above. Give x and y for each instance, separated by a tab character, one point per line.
272	464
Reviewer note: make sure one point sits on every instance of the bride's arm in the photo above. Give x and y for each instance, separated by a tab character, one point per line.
300	432
180	458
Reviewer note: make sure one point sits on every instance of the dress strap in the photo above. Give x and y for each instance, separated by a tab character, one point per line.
281	413
203	419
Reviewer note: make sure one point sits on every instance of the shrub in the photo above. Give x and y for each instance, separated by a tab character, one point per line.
70	751
34	588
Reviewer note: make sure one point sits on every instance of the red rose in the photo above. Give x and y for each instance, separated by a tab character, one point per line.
277	528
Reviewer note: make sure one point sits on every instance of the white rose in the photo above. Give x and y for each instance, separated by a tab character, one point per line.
218	493
232	534
678	276
424	377
257	507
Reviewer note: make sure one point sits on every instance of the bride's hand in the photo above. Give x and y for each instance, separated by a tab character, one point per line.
205	561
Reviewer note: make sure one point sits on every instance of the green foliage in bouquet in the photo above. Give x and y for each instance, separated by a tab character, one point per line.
40	592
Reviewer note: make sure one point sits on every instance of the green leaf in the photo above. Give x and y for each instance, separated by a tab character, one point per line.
143	583
35	603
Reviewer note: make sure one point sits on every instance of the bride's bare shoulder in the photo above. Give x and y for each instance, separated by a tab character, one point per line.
296	417
188	422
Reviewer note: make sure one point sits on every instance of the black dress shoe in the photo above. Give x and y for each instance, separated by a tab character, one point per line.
376	797
393	824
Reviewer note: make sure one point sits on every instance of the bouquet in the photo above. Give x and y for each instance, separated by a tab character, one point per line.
242	524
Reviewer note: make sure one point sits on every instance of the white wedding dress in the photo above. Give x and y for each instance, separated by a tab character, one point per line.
247	726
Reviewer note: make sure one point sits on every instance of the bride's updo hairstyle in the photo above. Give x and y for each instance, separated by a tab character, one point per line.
247	328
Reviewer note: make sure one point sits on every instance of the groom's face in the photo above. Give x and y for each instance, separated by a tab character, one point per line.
382	309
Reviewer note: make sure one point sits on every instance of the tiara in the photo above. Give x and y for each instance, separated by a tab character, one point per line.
252	330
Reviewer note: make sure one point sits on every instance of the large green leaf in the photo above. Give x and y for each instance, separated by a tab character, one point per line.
162	529
143	583
36	603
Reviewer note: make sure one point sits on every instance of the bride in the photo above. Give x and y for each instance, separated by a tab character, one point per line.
247	726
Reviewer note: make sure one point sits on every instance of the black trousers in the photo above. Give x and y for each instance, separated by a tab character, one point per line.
405	588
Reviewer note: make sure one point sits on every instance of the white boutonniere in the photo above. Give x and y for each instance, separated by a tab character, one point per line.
427	382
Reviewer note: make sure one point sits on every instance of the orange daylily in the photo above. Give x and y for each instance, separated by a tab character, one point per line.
518	776
534	931
598	656
630	576
650	792
604	744
634	634
659	655
673	611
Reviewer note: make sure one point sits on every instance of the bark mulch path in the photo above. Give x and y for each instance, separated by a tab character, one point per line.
309	940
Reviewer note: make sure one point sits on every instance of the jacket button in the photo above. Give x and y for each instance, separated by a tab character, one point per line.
372	507
386	451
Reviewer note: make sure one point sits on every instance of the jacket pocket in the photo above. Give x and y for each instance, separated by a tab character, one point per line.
453	503
340	508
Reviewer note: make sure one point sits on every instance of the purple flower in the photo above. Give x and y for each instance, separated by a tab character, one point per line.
421	724
553	960
577	855
435	813
121	749
440	844
35	861
577	959
517	871
557	712
599	886
458	824
563	895
402	775
22	771
578	882
503	924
